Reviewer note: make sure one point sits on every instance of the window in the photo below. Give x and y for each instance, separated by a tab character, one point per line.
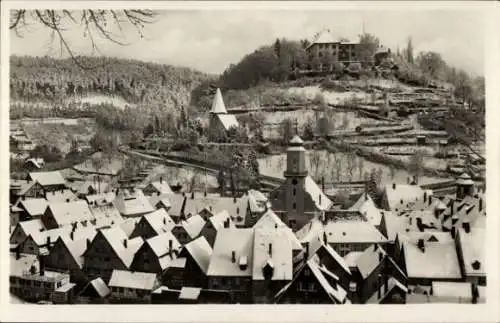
307	273
294	205
294	191
12	279
106	258
294	181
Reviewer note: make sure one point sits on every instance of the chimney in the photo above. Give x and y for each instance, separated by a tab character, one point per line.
88	243
325	240
234	199
425	197
393	186
18	253
480	204
170	245
475	293
192	195
164	220
226	223
233	256
161	179
205	193
125	243
306	248
421	245
322	183
271	249
466	226
452	204
320	199
72	235
276	225
430	200
237	210
48	241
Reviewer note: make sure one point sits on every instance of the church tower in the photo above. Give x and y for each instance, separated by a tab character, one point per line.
295	178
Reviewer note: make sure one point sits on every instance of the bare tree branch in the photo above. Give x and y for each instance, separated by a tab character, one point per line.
59	21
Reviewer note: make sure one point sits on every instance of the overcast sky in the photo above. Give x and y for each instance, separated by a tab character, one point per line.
211	40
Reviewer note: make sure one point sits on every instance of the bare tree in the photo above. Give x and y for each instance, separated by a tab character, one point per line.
94	23
361	168
314	161
351	164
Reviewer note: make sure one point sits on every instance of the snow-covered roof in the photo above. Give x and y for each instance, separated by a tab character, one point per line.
201	252
100	287
23	264
116	237
103	198
325	37
367	207
189	293
396	193
35	206
228	120
335	292
369	260
452	289
61	196
135	280
465	179
132	203
280	255
439	260
323	202
161	187
353	231
31	226
65	213
193	225
160	245
78	244
159	220
228	240
218	105
219	218
391	284
473	247
48	178
270	220
351	258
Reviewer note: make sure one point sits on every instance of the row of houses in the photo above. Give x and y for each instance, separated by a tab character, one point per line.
294	247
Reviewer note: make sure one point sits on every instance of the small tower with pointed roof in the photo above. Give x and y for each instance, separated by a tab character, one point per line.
465	186
219	120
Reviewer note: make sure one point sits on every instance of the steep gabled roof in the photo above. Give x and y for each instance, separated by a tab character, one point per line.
116	239
34	207
160	221
193	225
218	105
201	252
228	121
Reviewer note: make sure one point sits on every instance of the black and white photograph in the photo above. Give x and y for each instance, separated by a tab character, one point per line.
278	156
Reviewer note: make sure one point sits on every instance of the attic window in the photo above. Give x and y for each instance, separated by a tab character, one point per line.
476	265
343	233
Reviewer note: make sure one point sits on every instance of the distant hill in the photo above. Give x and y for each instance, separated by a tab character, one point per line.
45	79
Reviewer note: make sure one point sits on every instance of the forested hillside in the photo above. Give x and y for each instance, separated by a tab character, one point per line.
45	79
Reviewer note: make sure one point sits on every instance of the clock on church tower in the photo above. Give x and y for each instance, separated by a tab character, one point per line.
296	159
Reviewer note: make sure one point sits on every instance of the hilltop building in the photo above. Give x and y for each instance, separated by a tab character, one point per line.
325	49
219	120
